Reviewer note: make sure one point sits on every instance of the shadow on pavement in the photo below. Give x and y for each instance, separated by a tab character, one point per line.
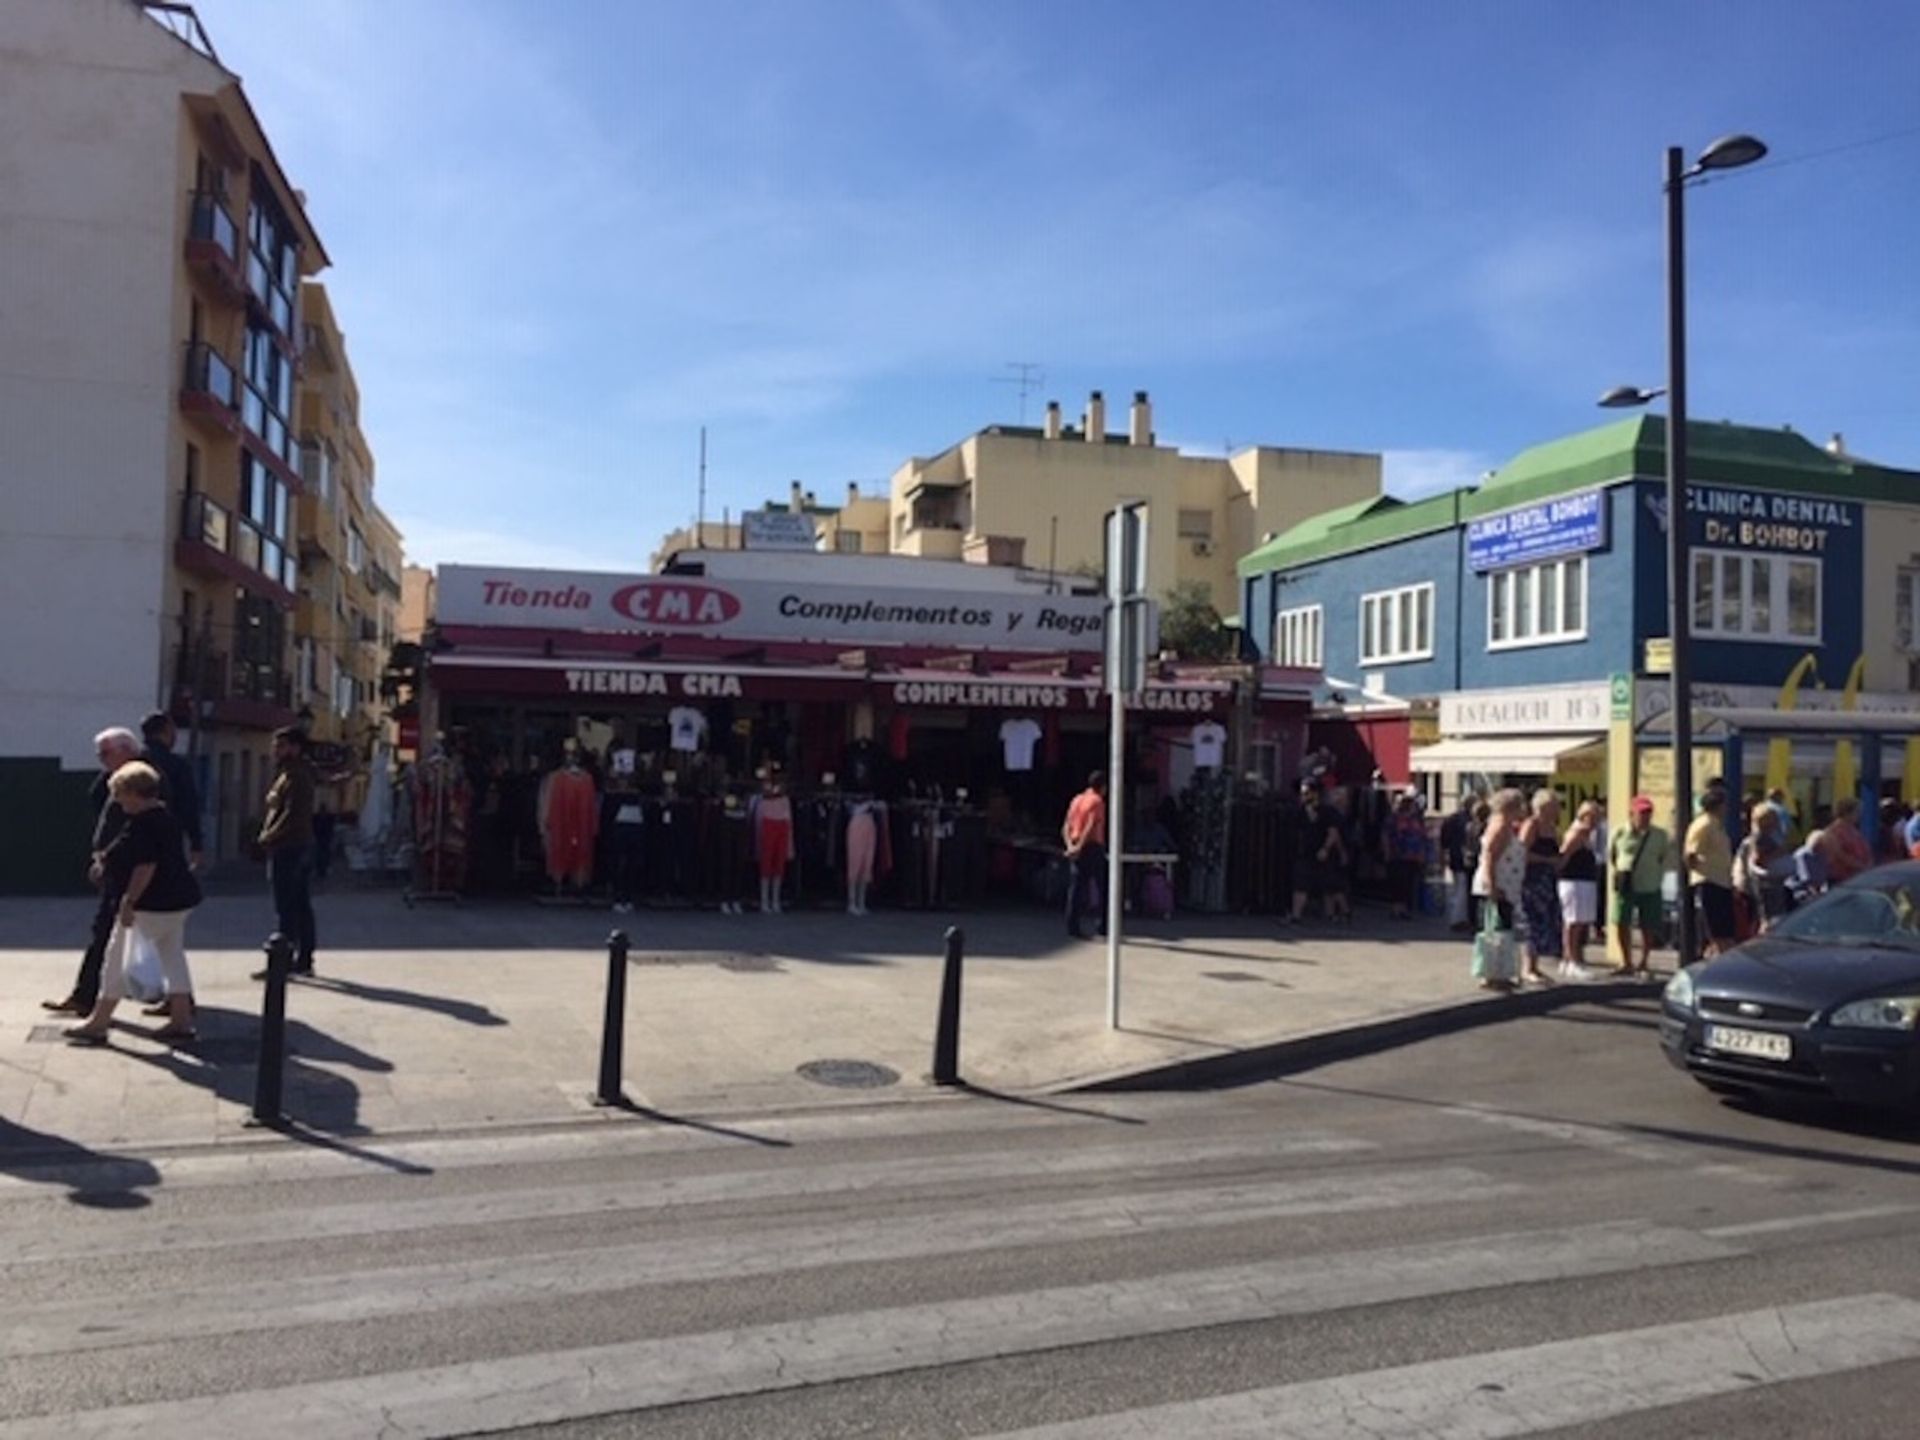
465	1011
1032	1102
706	1127
94	1179
1806	1113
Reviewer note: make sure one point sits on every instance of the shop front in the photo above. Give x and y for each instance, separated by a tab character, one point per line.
968	756
1549	736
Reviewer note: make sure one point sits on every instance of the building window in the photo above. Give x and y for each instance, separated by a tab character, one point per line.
1538	604
1740	596
1196	524
1297	638
267	397
356	550
1906	612
273	255
1396	625
266	511
847	542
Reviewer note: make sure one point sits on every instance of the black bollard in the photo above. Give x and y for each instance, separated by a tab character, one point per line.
613	1026
270	1073
946	1038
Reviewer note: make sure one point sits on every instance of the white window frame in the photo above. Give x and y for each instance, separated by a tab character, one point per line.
1299	637
1394	650
1777	607
1533	576
1907	577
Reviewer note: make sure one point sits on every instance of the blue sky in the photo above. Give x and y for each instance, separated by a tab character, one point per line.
566	235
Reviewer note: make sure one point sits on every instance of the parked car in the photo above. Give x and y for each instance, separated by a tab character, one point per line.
1824	1004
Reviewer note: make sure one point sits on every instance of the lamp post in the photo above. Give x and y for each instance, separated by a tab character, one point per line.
1727	153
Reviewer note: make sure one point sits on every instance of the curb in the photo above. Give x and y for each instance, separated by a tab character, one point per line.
1346	1042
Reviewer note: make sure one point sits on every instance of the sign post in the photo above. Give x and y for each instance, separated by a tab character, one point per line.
1126	673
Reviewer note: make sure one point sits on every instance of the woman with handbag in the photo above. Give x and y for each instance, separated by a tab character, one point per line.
148	861
1497	881
1540	891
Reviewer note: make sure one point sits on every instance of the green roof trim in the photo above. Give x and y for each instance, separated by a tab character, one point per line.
1718	453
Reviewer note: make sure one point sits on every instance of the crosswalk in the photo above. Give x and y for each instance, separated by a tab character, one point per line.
497	1283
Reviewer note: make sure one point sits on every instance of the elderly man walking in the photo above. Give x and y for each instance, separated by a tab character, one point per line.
113	748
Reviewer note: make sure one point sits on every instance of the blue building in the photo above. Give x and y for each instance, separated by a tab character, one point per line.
1500	622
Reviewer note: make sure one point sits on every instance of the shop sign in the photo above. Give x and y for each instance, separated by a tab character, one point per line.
1766	520
777	530
1659	655
767	609
1566	525
987	694
1547	710
1653	699
1620	697
691	684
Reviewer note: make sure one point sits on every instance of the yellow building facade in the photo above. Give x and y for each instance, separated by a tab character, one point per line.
1039	497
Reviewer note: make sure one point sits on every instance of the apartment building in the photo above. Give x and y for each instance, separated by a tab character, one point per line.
856	527
149	345
350	552
1038	496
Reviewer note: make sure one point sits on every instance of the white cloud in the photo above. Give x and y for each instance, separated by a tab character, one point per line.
1416	474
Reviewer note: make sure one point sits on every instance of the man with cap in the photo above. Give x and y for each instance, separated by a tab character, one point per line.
1639	861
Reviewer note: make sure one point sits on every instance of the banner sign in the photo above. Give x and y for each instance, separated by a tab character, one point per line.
767	609
1544	710
1767	520
1013	695
778	530
1567	525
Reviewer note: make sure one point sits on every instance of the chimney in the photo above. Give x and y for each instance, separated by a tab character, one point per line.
1096	419
853	491
795	500
1140	420
1053	420
1837	445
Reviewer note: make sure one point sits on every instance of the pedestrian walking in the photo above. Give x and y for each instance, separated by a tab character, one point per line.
1708	857
1540	893
1761	867
1639	858
146	865
113	748
286	837
1084	835
1320	867
183	790
1579	888
1405	844
1498	880
1848	852
1454	833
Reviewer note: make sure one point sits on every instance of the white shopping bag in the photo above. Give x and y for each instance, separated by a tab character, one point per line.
145	981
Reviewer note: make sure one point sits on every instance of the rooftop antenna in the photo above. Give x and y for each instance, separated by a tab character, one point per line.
700	524
1031	375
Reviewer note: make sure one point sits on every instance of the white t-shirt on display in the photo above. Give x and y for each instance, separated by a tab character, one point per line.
1209	745
1017	739
688	727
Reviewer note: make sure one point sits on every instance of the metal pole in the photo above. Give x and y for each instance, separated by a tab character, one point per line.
1679	568
946	1037
613	1023
1116	802
269	1073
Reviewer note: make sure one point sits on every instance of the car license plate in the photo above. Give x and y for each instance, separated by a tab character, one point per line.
1756	1043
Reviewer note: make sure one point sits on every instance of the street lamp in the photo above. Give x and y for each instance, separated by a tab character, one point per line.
1727	153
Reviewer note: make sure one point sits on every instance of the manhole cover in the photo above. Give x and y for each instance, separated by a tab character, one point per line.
1239	976
749	964
849	1074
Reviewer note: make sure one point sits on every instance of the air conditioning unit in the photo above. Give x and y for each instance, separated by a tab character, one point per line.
1203	547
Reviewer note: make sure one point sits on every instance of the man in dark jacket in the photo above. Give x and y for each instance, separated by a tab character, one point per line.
286	834
159	733
113	748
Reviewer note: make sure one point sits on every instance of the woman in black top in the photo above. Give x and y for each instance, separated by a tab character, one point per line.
148	863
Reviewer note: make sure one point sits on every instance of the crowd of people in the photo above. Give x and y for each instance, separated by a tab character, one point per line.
144	860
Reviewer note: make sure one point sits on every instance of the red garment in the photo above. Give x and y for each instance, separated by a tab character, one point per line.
897	731
571	820
775	840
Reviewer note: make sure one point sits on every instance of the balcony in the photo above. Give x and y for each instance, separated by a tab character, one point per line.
209	684
216	543
933	542
207	391
382	579
213	248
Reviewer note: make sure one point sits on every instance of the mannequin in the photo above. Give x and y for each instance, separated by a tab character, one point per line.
862	834
773	839
569	822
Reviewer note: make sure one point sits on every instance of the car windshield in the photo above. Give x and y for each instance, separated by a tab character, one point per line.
1883	913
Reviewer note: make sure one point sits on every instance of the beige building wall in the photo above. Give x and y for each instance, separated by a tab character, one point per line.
1052	492
416	603
858	527
1892	639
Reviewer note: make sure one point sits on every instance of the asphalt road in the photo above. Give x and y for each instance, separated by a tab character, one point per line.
1526	1228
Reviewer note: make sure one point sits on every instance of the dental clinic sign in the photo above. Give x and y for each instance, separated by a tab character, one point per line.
1767	520
766	609
1566	525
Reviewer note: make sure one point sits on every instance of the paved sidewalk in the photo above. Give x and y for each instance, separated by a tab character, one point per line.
448	1017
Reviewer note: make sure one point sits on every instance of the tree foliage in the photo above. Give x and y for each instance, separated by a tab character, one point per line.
1190	627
